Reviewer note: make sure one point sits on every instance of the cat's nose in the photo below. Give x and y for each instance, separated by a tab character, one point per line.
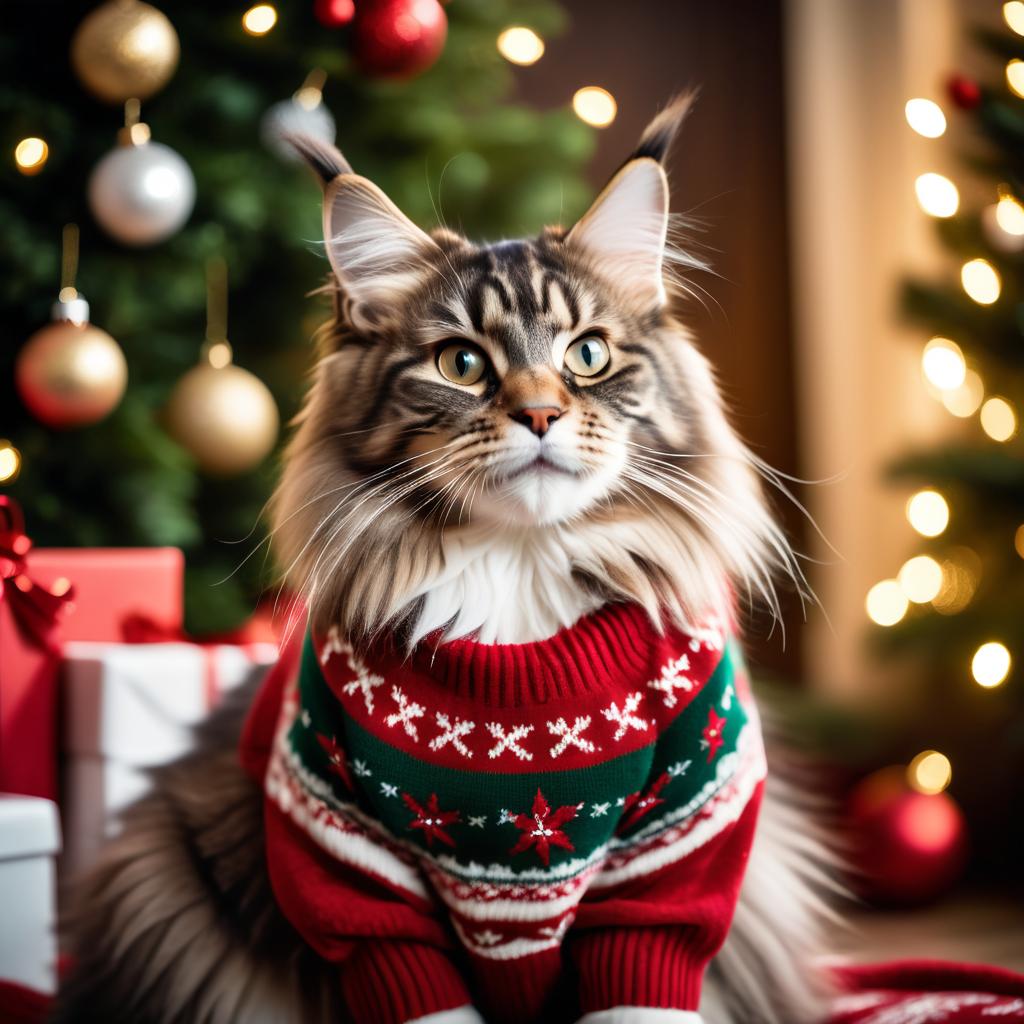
537	418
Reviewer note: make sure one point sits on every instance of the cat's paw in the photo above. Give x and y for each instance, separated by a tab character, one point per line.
641	1015
460	1015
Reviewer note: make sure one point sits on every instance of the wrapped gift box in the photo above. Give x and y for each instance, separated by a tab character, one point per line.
29	842
112	590
127	708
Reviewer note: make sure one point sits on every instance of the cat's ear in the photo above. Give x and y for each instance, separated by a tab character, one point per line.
375	250
624	231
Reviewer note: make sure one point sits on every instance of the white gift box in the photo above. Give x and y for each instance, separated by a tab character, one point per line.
29	842
127	708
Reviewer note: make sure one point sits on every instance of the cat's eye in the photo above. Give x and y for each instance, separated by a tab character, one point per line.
587	356
461	363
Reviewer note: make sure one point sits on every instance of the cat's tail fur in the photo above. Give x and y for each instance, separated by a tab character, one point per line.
177	923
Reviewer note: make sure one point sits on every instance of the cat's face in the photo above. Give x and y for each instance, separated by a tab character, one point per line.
509	384
536	388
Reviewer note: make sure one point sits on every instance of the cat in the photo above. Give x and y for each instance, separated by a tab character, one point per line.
499	441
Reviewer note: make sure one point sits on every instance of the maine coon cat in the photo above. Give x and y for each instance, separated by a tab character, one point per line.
499	440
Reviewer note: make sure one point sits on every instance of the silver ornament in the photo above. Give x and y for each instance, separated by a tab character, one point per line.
142	193
293	116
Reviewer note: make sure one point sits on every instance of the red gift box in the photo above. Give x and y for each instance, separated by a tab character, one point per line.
39	609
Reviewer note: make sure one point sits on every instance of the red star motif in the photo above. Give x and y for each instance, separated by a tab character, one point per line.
431	820
638	804
713	733
542	828
336	755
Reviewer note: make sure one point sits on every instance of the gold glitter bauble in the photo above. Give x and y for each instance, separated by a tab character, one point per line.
124	50
69	375
224	416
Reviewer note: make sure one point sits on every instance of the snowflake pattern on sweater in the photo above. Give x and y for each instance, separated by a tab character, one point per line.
513	786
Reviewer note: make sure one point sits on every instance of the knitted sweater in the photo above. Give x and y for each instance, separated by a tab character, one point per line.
458	824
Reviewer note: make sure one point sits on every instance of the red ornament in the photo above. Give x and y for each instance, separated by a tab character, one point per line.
542	828
431	820
334	13
964	91
908	847
398	38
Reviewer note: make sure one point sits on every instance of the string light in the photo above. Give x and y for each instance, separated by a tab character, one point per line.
990	664
965	400
925	117
1010	215
595	106
1013	15
998	419
920	579
31	155
259	20
1015	76
981	281
10	462
520	45
928	513
937	195
886	603
943	364
930	772
1018	540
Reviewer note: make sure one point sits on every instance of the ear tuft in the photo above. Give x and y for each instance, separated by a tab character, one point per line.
325	160
659	135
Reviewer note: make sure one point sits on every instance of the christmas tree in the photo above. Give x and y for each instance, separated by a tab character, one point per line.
438	140
956	607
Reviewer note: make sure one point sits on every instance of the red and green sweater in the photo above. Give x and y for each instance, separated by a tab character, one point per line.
462	823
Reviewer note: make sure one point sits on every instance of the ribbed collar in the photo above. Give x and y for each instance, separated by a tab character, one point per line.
595	654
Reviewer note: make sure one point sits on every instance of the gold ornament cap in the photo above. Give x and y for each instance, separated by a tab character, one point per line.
70	306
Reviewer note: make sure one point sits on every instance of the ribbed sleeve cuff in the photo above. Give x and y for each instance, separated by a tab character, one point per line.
656	967
391	982
511	991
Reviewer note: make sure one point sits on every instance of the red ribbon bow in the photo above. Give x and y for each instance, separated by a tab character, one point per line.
36	609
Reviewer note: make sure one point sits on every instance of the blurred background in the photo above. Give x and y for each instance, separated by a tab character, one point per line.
854	171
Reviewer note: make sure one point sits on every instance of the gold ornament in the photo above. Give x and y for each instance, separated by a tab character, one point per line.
70	373
224	416
124	49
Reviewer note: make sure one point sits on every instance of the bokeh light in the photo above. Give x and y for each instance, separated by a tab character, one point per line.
1015	76
965	400
930	772
1018	540
981	281
937	195
928	513
10	462
990	664
925	117
31	155
595	106
259	20
520	45
998	419
920	579
961	573
943	364
886	603
1010	215
1013	15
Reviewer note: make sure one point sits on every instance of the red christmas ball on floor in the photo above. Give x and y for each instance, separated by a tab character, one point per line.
963	91
334	13
398	38
907	847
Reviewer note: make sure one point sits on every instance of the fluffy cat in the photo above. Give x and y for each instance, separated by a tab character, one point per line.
498	440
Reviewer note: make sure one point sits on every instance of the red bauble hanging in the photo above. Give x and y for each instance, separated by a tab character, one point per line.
398	38
906	847
334	13
963	91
